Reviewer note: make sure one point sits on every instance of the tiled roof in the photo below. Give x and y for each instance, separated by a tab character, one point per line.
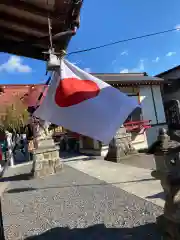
168	71
27	93
124	78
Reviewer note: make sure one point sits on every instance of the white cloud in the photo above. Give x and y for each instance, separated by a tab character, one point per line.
125	70
114	61
118	57
87	70
156	60
124	53
170	54
77	62
177	27
139	68
15	64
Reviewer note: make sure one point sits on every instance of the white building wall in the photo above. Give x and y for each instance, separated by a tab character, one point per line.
149	136
140	141
96	144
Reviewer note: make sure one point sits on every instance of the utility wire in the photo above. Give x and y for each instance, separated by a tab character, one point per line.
124	40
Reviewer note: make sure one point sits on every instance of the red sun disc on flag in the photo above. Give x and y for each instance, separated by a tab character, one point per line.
72	91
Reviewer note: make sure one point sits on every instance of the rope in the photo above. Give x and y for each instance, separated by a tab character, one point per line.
50	33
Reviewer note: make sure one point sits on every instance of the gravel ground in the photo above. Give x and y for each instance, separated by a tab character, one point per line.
73	205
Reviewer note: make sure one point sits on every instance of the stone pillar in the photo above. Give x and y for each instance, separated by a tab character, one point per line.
87	146
120	146
104	149
25	144
80	142
46	160
167	159
96	145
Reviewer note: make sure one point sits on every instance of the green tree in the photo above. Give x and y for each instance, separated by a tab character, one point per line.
14	116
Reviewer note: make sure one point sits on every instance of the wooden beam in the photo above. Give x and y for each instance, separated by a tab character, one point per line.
26	51
22	29
30	23
23	36
36	9
21	39
11	29
24	39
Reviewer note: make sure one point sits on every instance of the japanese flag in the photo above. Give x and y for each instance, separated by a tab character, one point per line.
84	104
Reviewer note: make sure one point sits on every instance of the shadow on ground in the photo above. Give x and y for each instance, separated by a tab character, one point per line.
20	177
67	155
160	195
100	232
24	177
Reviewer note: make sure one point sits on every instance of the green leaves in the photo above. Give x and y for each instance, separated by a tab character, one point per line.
14	116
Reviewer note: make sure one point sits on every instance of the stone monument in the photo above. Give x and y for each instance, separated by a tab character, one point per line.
172	110
46	160
120	146
167	159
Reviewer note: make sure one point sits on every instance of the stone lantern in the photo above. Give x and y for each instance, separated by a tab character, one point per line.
167	159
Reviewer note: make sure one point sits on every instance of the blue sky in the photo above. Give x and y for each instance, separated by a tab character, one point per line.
103	22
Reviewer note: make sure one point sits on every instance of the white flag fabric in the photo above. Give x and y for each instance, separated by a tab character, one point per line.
85	104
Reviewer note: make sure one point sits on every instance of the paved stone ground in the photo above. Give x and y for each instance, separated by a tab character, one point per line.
140	160
137	181
66	156
73	205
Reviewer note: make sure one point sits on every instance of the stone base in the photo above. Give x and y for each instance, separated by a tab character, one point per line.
120	146
170	230
46	162
115	154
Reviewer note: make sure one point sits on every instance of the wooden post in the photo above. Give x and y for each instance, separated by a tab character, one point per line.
2	236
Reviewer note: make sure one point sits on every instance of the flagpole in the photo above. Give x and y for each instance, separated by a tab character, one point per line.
61	56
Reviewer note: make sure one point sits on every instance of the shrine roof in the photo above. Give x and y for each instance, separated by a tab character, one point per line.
24	25
168	71
27	93
128	78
